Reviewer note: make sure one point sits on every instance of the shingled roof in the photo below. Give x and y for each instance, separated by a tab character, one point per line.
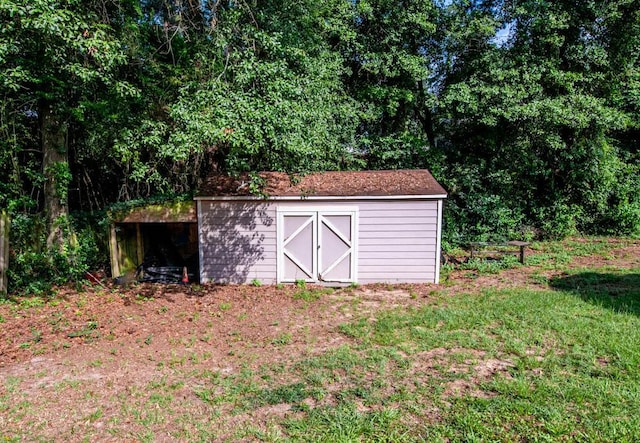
418	182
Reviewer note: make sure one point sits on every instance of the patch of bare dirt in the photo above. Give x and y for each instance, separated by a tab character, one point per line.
473	369
114	343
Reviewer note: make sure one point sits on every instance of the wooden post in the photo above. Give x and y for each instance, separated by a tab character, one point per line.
522	245
139	250
113	249
4	251
139	245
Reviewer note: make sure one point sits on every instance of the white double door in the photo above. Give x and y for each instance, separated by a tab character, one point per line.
317	245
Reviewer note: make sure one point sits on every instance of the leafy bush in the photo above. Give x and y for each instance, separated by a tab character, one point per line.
34	268
558	220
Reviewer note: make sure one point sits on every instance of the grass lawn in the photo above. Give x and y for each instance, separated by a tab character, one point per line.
554	358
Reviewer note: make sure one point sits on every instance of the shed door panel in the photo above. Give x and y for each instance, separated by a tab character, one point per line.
317	246
336	247
298	247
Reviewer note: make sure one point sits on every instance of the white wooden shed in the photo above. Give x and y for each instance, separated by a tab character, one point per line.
329	227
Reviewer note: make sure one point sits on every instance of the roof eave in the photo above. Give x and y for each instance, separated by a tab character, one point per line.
321	197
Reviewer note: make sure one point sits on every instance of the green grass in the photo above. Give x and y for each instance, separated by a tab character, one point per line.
569	370
310	295
573	354
558	363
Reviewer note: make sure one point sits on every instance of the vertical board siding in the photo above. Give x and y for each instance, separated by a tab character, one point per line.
237	242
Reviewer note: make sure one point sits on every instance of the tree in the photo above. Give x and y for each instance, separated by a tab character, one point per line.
387	45
531	114
266	93
52	53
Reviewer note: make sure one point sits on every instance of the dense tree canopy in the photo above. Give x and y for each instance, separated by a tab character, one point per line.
528	111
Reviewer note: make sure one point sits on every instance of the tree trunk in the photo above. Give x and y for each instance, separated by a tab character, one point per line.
427	118
4	251
55	168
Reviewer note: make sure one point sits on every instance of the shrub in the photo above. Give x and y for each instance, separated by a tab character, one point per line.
33	268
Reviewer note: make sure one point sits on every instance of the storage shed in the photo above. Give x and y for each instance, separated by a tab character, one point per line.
155	236
329	227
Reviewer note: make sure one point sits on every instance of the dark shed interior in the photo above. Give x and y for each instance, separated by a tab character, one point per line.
156	243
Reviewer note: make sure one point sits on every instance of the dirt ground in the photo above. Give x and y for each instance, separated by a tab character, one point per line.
120	340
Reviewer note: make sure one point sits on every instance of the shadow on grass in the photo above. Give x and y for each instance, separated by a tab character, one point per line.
618	292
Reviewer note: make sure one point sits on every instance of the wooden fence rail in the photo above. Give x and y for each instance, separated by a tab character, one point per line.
4	251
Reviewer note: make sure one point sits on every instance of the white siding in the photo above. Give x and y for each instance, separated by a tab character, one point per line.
237	242
397	239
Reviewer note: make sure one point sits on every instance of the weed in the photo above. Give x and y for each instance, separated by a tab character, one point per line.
89	332
489	265
111	335
32	302
177	362
224	306
255	282
95	415
310	295
209	396
282	339
40	351
206	338
143	298
36	335
58	321
345	423
293	393
549	260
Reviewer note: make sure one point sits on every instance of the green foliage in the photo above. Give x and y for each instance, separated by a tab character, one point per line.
388	49
90	332
293	393
527	111
238	112
62	177
33	268
310	295
532	117
344	422
490	266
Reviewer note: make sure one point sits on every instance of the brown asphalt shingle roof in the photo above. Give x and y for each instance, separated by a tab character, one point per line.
330	183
